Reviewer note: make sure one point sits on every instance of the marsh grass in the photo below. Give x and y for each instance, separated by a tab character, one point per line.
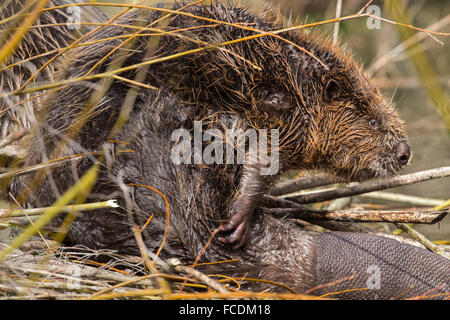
35	266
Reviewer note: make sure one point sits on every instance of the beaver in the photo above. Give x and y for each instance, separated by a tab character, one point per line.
328	114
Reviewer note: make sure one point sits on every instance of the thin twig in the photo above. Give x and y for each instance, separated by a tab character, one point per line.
244	26
51	164
336	24
370	186
6	213
404	45
213	284
149	264
419	201
275	202
309	182
365	7
14	137
422	239
260	34
411	216
85	183
240	294
167	224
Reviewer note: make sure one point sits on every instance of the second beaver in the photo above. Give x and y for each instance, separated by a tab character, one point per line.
328	114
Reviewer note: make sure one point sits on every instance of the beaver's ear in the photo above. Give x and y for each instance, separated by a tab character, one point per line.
274	102
332	90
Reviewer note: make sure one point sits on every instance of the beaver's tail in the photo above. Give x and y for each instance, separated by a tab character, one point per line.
377	267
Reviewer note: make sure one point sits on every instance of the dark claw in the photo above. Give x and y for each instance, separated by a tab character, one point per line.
238	226
237	236
237	218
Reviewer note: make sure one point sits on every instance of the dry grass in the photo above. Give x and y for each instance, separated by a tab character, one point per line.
34	267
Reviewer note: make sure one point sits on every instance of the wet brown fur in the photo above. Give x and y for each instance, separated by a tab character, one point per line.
223	89
219	87
316	134
18	111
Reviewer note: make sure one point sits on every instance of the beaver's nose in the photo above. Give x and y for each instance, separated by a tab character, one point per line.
403	152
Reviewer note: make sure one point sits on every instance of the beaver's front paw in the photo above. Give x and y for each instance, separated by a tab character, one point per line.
236	229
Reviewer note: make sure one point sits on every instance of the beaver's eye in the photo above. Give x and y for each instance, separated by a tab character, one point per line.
275	102
373	123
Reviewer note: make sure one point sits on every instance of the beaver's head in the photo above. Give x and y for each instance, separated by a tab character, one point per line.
333	117
354	132
329	114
